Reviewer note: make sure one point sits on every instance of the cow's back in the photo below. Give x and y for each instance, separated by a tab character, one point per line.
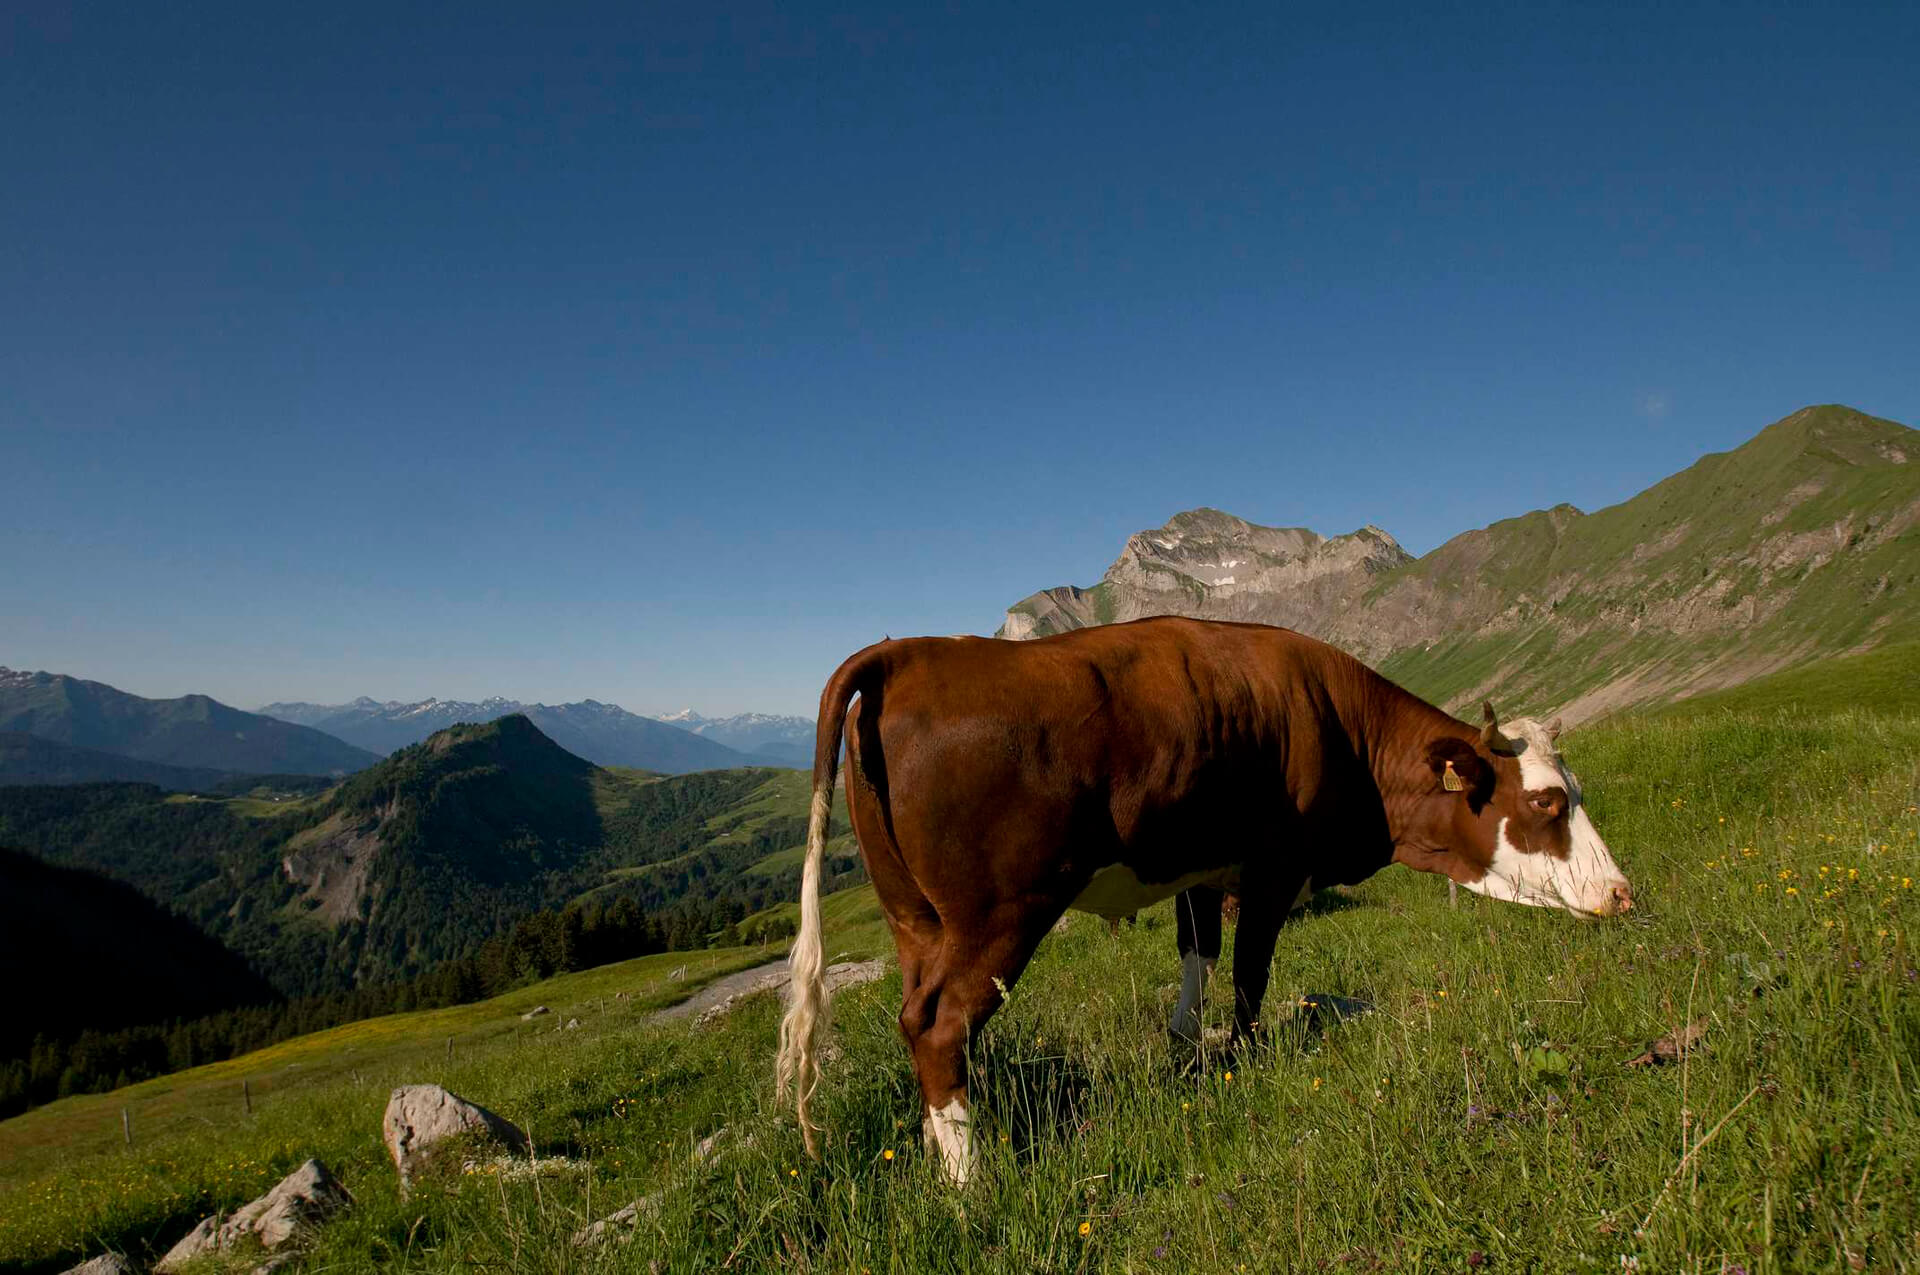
1166	745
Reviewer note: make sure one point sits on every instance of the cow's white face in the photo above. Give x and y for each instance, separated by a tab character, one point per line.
1546	851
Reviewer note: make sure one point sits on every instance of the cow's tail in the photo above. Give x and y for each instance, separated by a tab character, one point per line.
803	1032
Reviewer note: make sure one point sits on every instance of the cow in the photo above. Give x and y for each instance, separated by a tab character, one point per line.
993	785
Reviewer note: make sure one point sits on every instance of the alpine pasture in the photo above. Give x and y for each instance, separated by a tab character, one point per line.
1483	1115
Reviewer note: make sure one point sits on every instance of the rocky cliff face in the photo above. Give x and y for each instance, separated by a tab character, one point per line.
1215	566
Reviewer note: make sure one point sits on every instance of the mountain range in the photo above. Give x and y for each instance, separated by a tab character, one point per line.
1801	544
193	731
604	734
758	734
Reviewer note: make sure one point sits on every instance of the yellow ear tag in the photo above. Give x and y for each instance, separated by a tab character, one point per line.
1452	782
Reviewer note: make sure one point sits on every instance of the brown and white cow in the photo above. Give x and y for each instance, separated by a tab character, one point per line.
993	785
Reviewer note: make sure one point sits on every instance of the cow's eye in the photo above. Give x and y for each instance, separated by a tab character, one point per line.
1547	805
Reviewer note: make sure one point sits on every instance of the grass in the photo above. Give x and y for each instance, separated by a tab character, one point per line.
1484	1109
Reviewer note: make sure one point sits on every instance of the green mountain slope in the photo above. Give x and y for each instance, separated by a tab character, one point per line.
1801	544
192	731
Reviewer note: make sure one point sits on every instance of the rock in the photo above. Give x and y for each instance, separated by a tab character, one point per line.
705	1148
615	1226
105	1264
534	1013
572	1024
422	1117
711	1145
304	1198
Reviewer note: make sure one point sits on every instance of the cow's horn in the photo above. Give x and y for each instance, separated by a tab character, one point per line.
1489	724
1553	729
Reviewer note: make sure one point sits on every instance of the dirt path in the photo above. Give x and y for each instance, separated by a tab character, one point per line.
769	977
772	974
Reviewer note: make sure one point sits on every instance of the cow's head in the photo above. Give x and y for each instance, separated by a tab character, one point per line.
1502	815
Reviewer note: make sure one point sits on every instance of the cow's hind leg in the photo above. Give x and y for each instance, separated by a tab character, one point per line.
959	989
1197	921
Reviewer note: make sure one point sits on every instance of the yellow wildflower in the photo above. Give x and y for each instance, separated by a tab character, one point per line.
1086	1228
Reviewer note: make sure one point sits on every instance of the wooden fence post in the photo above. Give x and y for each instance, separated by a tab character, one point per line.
246	1094
126	1126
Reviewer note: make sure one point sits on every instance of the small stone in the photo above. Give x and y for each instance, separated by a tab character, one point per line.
534	1013
573	1024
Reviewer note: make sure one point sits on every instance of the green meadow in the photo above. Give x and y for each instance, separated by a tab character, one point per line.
1483	1114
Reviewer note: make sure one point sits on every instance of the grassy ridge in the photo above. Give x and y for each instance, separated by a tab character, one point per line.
1884	680
1483	1109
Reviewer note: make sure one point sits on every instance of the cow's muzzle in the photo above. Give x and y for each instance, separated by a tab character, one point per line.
1618	900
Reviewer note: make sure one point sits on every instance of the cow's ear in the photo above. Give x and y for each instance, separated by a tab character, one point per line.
1458	768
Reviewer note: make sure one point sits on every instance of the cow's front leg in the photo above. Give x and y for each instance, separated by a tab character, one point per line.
1197	920
1263	910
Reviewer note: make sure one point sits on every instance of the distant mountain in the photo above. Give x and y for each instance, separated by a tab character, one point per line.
788	741
1803	543
302	714
427	854
81	951
193	731
604	734
29	759
609	735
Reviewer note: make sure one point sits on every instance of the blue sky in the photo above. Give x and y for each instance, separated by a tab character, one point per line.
666	355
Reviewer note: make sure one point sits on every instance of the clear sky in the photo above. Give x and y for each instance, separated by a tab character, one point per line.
666	355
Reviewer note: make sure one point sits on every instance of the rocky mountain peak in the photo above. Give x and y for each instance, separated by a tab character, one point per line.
1207	563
